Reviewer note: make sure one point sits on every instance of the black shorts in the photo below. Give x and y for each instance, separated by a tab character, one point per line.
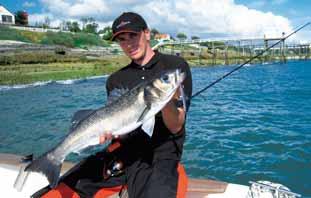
142	178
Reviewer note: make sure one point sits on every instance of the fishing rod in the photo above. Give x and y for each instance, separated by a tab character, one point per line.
248	61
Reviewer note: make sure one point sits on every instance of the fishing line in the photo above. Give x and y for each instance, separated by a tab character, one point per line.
248	61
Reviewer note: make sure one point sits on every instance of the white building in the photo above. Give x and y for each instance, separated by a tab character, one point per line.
6	17
162	37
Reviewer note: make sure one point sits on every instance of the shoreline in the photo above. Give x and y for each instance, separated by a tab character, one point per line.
43	83
24	74
39	78
16	74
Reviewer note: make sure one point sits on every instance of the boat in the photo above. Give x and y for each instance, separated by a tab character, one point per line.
11	166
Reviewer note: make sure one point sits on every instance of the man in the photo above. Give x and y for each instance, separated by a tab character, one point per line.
150	163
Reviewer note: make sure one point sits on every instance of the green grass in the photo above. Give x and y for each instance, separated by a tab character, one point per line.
12	34
52	38
34	37
29	73
33	58
85	39
58	38
73	40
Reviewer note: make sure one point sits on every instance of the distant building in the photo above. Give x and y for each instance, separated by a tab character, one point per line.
6	17
162	37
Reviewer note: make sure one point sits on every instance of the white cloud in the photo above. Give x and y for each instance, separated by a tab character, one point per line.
214	17
88	8
204	18
36	18
42	18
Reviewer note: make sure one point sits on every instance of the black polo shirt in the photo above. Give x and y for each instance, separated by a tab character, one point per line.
163	144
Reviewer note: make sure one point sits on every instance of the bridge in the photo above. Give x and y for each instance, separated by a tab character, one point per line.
221	40
238	49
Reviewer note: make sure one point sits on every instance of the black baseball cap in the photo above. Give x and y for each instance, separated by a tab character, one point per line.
128	22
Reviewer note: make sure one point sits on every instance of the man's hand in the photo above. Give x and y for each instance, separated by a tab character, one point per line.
106	137
173	116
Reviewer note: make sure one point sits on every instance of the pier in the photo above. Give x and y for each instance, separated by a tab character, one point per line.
235	51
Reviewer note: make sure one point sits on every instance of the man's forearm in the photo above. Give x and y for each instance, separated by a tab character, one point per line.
173	116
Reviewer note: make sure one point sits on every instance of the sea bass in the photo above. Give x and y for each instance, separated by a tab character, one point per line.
137	107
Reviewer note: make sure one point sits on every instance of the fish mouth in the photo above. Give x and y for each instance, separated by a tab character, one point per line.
180	76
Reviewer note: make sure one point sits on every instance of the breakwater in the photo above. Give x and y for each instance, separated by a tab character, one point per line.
226	52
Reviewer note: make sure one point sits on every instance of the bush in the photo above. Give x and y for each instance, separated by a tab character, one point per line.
38	57
11	34
83	39
154	42
34	37
58	38
27	58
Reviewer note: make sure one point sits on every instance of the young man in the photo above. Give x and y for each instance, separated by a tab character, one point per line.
154	172
150	163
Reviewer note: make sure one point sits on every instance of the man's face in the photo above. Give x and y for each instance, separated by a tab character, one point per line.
134	45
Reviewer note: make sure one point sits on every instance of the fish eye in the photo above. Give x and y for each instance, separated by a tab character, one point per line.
165	78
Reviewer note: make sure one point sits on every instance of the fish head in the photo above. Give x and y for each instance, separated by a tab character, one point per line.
170	80
164	86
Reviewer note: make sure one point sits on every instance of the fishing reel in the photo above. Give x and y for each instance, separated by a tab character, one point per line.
113	169
113	166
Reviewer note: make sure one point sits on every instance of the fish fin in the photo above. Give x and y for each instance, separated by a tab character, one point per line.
50	168
143	114
148	126
79	116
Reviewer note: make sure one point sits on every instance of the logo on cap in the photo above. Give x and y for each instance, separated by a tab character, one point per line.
123	23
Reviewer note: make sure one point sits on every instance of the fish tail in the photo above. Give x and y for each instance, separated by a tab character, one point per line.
50	168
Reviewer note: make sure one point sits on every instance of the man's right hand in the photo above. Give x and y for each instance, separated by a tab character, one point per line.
106	137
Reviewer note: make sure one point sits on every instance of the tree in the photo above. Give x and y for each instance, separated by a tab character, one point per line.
91	28
154	32
72	26
47	22
195	38
181	36
75	27
107	33
84	21
67	25
91	20
89	25
21	18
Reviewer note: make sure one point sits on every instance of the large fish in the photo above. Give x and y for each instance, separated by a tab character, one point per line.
137	107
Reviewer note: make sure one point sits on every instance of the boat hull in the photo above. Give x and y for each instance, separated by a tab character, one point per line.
197	188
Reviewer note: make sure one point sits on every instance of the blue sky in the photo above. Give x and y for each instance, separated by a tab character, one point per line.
204	18
15	5
296	10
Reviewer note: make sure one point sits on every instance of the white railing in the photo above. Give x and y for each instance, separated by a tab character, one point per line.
36	29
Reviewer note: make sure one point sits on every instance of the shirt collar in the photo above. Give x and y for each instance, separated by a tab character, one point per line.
155	58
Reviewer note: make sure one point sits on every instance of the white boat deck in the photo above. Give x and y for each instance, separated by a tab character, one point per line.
197	188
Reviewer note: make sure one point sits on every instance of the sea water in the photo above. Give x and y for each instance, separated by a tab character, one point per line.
253	125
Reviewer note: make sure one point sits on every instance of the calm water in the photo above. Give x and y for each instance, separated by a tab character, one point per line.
254	125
